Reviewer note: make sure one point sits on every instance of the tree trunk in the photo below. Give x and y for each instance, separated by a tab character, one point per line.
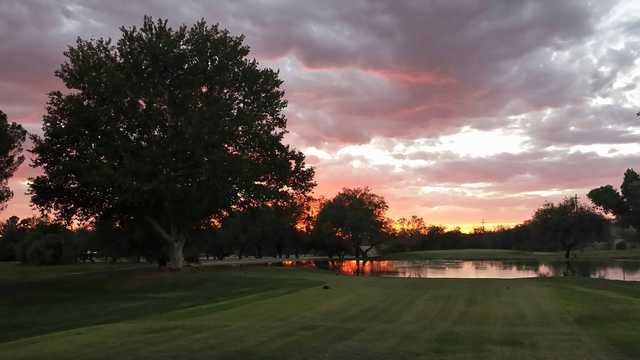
567	250
356	248
176	255
365	253
242	249
175	241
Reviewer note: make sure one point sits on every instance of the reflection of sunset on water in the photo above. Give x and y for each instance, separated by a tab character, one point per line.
616	273
473	269
461	270
303	263
352	267
545	270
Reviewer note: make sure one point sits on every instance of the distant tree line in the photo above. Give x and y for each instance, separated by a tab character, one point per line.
353	224
565	226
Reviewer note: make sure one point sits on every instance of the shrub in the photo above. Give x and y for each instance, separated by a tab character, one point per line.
47	249
11	233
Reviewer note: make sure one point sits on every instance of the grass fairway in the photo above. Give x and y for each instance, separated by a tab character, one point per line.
283	313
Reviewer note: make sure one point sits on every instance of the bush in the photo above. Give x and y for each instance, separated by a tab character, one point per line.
11	233
622	245
47	249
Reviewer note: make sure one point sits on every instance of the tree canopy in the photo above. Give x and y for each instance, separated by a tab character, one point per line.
569	223
409	232
166	126
12	138
624	205
352	222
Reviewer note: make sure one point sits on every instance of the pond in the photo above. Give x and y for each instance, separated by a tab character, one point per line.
463	269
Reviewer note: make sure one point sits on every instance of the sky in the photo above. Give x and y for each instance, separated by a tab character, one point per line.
456	111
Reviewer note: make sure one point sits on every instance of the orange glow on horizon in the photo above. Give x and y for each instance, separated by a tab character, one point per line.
467	228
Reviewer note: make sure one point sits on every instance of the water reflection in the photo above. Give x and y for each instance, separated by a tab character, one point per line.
614	270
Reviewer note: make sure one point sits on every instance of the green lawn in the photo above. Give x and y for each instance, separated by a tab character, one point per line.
284	313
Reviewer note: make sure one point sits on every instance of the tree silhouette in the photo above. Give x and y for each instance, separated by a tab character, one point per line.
410	232
170	127
11	233
12	138
353	220
568	223
266	230
624	205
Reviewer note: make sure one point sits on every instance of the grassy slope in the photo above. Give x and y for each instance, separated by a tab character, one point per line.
259	312
497	254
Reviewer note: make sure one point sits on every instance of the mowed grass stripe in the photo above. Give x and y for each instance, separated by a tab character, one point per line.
44	306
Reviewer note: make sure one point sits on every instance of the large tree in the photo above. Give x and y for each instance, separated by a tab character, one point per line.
624	205
170	127
353	221
568	224
12	138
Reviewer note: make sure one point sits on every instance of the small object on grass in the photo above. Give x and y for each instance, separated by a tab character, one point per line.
326	287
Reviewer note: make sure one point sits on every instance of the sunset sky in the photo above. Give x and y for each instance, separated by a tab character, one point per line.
456	111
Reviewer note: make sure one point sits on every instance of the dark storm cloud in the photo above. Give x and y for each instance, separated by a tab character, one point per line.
441	61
